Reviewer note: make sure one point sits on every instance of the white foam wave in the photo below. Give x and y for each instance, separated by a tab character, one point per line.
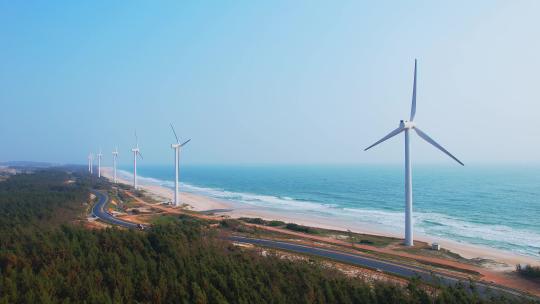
252	199
441	225
500	236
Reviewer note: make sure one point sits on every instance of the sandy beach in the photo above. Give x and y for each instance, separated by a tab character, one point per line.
195	202
199	202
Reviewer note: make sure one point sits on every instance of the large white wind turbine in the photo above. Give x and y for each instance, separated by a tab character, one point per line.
99	156
115	156
177	146
136	153
406	126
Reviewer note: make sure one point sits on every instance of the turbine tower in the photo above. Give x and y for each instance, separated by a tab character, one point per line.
177	146
99	162
136	153
115	156
406	126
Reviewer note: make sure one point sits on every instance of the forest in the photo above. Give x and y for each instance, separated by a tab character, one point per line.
46	257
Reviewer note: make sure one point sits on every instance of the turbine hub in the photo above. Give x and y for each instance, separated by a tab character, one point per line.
406	124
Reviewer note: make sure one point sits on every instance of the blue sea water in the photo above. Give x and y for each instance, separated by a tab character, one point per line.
491	206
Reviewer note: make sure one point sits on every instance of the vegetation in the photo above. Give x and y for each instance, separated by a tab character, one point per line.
237	226
528	271
301	228
165	219
40	200
258	220
353	238
290	226
276	223
44	261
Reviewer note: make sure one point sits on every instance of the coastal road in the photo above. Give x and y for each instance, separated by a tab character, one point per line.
396	269
99	211
385	266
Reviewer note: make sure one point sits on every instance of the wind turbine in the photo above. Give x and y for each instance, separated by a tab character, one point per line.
136	153
99	162
115	156
406	126
177	146
91	157
90	162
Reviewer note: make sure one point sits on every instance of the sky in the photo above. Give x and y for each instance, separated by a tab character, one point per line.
269	82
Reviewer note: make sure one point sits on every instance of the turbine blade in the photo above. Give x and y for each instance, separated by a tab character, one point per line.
139	155
174	133
434	143
185	142
390	135
136	139
413	106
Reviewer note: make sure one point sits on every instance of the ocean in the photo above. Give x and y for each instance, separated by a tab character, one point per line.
497	207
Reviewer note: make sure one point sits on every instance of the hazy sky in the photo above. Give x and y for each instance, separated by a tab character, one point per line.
269	82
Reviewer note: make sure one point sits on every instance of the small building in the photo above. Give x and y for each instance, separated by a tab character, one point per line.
435	246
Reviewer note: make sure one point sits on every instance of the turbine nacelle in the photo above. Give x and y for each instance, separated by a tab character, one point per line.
177	144
404	124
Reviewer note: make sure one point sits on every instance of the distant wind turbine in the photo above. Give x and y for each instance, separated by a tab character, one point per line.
177	146
99	156
406	126
136	153
115	156
90	162
91	158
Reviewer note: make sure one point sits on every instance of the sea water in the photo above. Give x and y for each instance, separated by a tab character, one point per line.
494	206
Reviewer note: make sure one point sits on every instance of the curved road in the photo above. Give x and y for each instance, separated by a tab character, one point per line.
99	211
358	260
385	266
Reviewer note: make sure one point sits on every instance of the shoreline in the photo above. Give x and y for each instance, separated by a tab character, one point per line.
195	201
198	202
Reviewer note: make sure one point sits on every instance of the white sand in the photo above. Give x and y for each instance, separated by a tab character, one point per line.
199	202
